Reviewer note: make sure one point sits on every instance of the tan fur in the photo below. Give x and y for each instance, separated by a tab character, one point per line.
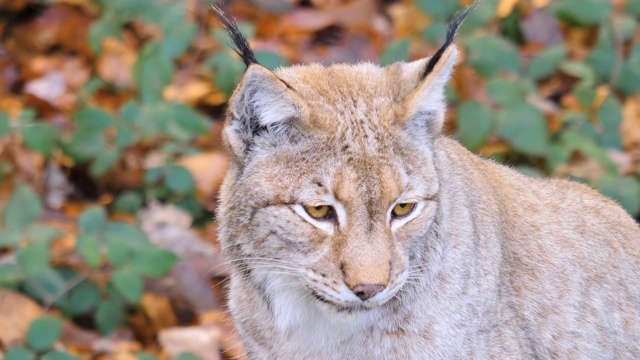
494	264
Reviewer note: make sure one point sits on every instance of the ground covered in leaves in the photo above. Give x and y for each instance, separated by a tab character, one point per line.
111	156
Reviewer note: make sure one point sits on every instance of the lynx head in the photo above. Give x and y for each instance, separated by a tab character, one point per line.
332	190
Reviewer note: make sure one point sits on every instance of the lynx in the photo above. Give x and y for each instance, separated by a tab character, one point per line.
355	229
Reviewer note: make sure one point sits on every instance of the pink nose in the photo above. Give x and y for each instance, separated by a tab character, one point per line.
367	291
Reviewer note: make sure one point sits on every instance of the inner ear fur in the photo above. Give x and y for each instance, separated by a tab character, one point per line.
262	105
426	104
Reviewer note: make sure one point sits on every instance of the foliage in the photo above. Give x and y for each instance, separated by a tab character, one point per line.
42	334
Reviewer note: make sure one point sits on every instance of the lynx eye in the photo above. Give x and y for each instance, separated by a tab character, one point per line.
402	209
320	212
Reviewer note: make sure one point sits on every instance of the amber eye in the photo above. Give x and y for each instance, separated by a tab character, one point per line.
402	209
320	212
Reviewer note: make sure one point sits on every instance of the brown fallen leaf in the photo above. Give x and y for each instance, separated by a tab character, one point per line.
158	311
115	63
190	89
199	340
16	313
505	7
60	24
207	169
14	5
630	127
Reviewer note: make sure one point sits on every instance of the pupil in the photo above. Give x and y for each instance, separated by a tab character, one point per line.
403	205
319	207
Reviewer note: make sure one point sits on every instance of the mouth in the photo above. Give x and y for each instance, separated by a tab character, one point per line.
342	308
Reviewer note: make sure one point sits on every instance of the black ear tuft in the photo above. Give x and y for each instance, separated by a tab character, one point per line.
454	25
240	42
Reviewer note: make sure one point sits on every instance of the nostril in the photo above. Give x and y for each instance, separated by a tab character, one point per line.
367	291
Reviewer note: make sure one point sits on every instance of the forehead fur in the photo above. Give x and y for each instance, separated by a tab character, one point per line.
339	95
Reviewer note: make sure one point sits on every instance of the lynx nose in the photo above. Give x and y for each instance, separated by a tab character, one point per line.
367	291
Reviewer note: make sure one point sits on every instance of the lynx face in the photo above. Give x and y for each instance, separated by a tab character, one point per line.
332	188
336	224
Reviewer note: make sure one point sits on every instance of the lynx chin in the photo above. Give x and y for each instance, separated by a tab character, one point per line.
355	229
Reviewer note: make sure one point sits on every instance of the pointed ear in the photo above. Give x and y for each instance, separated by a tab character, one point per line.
261	106
426	106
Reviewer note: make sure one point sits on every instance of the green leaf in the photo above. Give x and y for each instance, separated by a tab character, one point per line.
127	9
440	9
474	124
43	233
5	127
129	202
109	316
556	156
125	231
189	203
88	247
10	237
490	55
610	116
506	91
40	137
19	353
85	145
582	12
581	71
178	179
188	356
34	258
168	15
107	26
625	190
10	275
92	119
546	62
585	95
228	69
128	284
602	60
45	286
22	208
93	220
154	262
125	137
435	33
394	52
633	8
58	355
104	162
118	252
178	39
145	356
187	119
577	141
629	79
152	72
271	60
480	16
524	127
43	332
84	297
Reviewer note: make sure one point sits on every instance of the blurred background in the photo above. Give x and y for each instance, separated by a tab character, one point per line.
111	157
